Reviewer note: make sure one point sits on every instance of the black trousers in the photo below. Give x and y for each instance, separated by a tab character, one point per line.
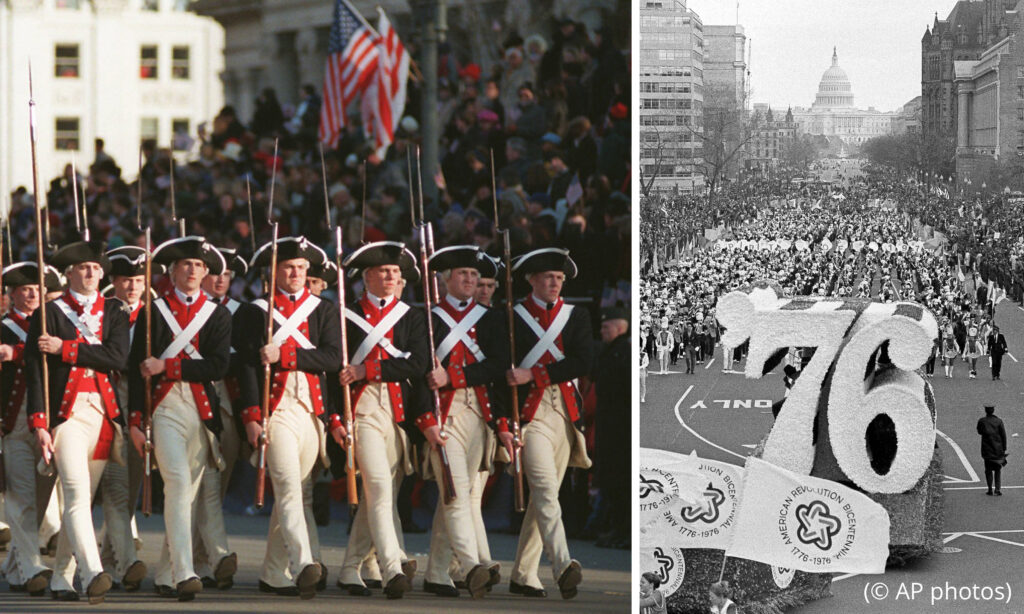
997	364
992	471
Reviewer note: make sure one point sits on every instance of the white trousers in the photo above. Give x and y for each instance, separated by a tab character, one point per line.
293	446
182	450
119	489
369	569
74	445
454	528
209	536
27	494
547	443
380	453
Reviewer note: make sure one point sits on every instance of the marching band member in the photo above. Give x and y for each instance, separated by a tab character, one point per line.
191	339
305	346
86	341
389	356
23	567
553	348
473	355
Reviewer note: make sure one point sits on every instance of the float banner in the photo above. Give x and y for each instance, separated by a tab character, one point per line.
809	524
702	511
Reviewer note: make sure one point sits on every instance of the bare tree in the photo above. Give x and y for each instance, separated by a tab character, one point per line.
724	136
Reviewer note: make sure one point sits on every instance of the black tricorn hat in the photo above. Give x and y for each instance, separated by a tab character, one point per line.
27	274
129	261
197	248
236	264
545	259
79	252
289	248
614	313
463	256
382	253
328	272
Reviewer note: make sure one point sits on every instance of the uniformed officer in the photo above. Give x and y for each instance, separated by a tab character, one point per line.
553	348
86	342
321	276
389	355
487	286
23	567
473	355
191	339
306	344
119	487
209	537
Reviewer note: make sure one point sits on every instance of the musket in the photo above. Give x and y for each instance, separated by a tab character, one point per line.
362	226
261	446
147	424
81	221
350	447
252	225
138	204
39	251
174	209
447	482
3	473
517	456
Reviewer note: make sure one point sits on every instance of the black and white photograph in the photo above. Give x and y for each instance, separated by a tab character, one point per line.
830	306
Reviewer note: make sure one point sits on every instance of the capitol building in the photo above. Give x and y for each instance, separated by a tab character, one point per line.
833	113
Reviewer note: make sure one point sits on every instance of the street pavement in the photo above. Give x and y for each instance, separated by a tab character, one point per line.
724	415
606	587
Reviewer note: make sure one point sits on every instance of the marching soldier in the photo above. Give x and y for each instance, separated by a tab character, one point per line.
389	356
191	338
473	355
321	276
86	342
119	487
305	346
487	286
23	567
208	533
553	348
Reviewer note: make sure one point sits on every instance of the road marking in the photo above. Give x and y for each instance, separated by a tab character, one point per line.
963	457
977	487
1011	357
945	540
679	417
996	539
710	362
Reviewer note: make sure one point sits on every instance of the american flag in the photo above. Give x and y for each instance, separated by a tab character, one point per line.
352	59
384	100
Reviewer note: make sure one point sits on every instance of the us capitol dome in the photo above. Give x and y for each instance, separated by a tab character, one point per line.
834	90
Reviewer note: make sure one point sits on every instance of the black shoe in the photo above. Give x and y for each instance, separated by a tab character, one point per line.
570	579
477	581
999	493
374	584
280	591
134	576
307	580
409	569
321	584
441	590
525	590
51	547
208	582
168	592
989	493
355	590
36	585
187	589
397	586
64	595
224	574
98	587
495	571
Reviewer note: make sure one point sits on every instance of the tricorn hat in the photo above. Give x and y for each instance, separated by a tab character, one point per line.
27	274
380	253
236	264
463	256
193	247
545	259
79	252
129	261
328	272
289	248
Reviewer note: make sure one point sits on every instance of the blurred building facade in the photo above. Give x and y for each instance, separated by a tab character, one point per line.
120	70
770	136
672	89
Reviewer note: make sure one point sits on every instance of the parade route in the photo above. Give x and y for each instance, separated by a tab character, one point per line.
723	416
606	583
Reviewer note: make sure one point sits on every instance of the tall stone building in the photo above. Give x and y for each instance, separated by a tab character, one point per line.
121	70
671	96
770	136
725	66
971	27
